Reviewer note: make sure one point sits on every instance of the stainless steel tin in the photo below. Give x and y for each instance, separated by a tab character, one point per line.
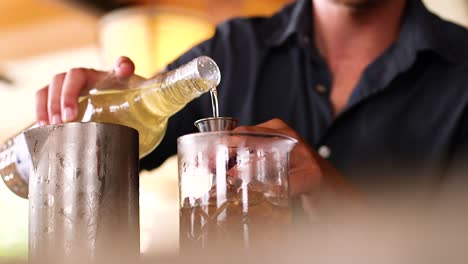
212	124
83	193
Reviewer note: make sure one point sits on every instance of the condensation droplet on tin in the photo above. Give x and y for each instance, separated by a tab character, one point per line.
67	210
48	230
50	200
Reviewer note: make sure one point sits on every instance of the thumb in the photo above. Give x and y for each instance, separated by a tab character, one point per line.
124	67
119	78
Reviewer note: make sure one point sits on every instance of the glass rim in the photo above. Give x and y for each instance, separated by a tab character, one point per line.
236	133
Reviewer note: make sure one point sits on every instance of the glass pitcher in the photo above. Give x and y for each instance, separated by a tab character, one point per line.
233	189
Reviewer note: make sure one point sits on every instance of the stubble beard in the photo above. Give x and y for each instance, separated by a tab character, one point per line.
359	4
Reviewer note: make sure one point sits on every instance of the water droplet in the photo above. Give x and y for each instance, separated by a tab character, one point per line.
50	200
48	230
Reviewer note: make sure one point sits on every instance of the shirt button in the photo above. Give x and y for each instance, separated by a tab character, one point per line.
305	40
324	152
321	88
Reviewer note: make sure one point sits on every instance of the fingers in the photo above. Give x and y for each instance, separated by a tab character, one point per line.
124	67
58	102
73	84
76	81
53	100
268	126
272	126
42	116
300	183
255	129
305	173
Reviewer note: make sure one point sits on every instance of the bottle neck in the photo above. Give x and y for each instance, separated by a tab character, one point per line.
169	92
166	98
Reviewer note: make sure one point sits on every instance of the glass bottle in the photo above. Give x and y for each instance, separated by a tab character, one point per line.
145	105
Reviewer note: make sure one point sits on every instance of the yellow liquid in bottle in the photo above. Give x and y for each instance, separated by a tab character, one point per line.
145	109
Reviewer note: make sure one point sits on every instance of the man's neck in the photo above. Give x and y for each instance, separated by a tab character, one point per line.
352	37
342	31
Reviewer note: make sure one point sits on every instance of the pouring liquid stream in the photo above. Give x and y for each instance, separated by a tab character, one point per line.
214	102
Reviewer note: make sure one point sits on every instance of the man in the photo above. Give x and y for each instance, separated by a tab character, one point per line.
377	87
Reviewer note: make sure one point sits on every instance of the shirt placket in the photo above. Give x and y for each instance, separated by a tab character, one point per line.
319	81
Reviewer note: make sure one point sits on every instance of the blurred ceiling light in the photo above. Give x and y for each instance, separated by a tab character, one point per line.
151	36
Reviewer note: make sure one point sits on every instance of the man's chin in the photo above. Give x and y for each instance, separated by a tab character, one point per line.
358	4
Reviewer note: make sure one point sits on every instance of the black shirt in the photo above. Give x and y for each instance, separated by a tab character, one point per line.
409	108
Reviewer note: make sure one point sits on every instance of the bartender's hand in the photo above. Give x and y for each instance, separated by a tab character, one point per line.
58	101
320	185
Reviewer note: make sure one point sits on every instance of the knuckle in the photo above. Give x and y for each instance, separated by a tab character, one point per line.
41	92
277	121
122	59
244	129
53	107
76	72
68	101
291	133
42	115
58	77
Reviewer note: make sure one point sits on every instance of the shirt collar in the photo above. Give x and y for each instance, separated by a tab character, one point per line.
294	18
421	30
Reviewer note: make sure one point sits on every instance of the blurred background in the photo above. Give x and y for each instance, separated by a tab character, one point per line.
39	38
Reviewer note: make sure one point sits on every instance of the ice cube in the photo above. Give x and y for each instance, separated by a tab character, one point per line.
249	196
